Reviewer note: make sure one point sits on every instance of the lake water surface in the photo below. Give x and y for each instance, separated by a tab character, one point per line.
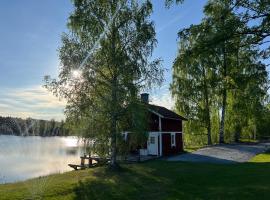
23	158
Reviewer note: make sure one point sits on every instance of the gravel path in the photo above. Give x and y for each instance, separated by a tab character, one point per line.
226	153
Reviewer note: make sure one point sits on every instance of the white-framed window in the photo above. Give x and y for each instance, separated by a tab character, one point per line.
173	139
125	136
152	140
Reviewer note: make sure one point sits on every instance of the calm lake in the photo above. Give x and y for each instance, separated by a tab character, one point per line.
23	158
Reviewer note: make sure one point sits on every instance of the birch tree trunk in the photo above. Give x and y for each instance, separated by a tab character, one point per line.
114	101
208	115
224	97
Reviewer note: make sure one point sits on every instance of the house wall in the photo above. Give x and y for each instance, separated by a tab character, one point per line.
167	148
171	125
168	126
153	122
166	144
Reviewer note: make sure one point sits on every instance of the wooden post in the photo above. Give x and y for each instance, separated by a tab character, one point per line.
90	162
82	161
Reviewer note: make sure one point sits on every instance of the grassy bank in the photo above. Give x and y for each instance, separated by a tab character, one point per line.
151	180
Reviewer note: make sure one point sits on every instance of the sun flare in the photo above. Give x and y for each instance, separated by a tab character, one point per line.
76	74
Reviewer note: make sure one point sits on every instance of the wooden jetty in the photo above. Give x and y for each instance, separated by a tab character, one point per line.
92	161
97	161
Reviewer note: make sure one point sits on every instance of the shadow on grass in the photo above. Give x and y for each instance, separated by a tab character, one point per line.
158	180
131	182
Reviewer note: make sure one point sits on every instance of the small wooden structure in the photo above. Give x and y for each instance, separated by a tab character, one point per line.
164	129
92	161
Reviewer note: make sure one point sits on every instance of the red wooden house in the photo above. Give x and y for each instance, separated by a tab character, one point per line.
165	134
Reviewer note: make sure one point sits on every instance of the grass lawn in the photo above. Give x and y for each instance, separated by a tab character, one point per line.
153	180
192	149
261	158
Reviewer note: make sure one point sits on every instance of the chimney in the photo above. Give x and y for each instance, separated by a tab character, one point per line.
145	98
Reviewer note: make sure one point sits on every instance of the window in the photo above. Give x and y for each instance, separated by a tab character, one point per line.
125	136
152	140
173	139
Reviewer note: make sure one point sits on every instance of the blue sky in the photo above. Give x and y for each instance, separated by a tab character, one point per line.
30	35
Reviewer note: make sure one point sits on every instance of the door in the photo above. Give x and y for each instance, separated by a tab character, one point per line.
152	144
166	144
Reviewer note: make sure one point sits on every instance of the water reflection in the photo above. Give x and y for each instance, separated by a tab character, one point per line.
22	158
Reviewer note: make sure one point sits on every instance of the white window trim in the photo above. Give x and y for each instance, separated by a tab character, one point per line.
154	141
173	141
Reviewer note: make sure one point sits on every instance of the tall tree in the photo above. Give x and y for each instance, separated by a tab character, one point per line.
223	22
168	3
253	13
213	46
194	77
105	63
238	54
248	94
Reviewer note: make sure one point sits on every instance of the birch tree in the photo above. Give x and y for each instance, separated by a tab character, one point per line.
105	63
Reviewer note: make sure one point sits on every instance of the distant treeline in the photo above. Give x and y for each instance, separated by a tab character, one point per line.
32	127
